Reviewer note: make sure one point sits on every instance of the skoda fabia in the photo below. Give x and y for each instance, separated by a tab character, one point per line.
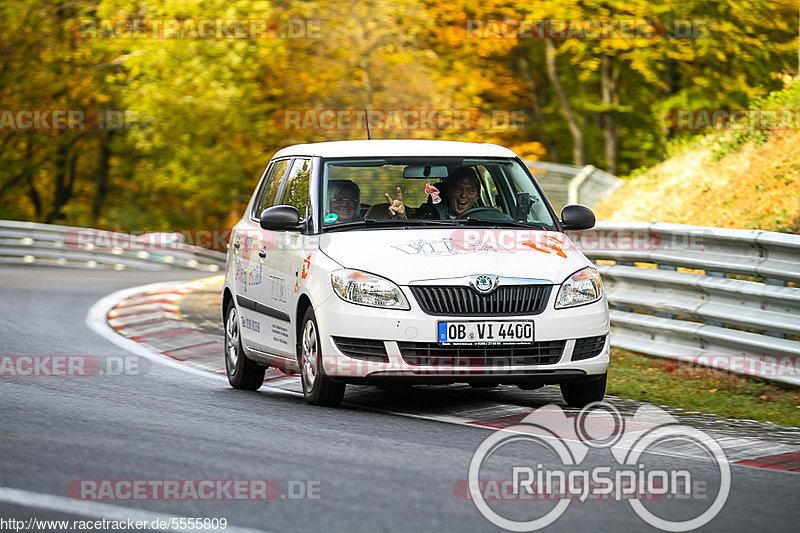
391	262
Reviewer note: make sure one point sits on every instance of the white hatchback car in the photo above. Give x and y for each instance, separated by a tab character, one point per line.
411	262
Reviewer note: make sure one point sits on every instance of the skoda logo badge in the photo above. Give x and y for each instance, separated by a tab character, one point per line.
485	283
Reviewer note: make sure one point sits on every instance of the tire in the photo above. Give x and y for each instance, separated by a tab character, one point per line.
582	394
318	389
242	372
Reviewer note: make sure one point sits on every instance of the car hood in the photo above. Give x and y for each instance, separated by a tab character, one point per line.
404	255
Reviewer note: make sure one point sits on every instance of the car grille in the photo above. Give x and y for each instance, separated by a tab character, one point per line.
363	349
433	354
464	301
588	347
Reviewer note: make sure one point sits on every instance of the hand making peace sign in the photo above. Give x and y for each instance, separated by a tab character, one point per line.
396	207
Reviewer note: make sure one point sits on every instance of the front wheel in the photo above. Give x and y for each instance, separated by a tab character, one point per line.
318	389
582	394
242	372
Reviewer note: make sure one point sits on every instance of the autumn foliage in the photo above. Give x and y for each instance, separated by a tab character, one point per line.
182	102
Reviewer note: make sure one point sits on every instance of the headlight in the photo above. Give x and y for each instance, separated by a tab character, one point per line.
367	289
583	287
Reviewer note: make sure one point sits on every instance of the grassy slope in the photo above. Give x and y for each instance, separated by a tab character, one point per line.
665	382
757	187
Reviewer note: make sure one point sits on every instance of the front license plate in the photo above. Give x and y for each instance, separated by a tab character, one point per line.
486	332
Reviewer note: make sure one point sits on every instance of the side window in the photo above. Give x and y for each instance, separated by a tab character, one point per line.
296	192
269	190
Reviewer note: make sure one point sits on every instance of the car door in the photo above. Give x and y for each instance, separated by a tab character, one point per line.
249	243
284	263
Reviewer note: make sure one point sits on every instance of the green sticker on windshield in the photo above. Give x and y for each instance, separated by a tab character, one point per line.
330	218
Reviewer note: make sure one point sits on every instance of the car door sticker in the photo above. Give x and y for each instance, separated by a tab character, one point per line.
551	243
277	289
447	246
247	276
280	334
306	266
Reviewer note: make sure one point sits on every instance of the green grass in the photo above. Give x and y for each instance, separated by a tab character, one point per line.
665	382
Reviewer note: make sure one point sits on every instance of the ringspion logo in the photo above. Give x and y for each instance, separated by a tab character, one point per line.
555	447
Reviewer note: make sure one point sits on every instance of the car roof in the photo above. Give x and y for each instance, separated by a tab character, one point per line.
396	148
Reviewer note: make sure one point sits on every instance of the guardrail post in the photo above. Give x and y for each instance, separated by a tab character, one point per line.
575	183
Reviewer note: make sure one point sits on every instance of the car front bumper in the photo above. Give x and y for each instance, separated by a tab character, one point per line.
409	340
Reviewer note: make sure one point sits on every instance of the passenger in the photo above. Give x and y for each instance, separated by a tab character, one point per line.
344	200
461	191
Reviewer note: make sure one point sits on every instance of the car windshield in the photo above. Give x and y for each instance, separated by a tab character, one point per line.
496	191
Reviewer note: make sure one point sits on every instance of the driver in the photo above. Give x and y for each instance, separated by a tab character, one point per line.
461	191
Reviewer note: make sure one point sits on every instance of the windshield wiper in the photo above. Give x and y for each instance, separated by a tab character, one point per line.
408	221
404	222
383	222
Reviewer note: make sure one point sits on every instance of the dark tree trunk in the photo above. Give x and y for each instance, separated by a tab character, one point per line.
525	67
101	177
609	79
33	194
22	174
578	150
673	81
65	163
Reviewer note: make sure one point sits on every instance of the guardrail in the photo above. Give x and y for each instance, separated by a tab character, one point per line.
46	244
723	298
569	184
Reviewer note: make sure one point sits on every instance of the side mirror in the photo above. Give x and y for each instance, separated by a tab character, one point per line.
279	217
577	217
